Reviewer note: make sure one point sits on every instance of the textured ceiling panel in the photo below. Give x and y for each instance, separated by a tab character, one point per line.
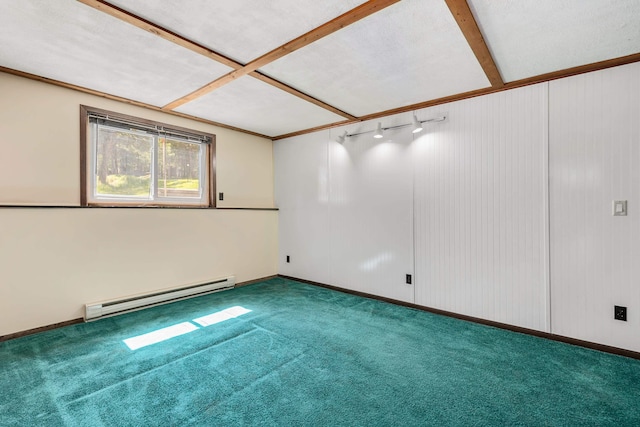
532	37
68	41
410	52
239	29
250	104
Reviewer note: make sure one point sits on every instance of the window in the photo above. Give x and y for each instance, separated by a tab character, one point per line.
128	161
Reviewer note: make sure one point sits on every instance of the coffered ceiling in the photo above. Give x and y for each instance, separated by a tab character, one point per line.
285	67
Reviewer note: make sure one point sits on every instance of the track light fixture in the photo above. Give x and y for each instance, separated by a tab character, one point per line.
342	137
417	125
379	132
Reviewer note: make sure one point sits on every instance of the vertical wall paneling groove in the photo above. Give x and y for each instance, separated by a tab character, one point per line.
371	227
594	152
413	211
480	208
547	214
330	200
346	210
302	194
511	207
461	205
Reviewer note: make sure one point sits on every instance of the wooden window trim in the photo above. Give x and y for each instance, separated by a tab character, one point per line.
84	157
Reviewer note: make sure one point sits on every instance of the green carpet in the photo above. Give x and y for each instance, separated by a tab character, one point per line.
305	355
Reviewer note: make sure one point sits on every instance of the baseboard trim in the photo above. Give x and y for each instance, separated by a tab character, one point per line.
40	329
567	340
80	320
251	282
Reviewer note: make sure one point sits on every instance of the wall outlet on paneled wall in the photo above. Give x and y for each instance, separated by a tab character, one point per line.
620	313
619	208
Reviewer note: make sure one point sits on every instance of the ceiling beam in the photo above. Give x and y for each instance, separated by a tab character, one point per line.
554	75
315	129
344	20
154	29
159	31
467	23
295	92
123	100
596	66
348	18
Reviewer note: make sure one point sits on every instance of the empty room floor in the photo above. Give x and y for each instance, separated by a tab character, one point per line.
281	352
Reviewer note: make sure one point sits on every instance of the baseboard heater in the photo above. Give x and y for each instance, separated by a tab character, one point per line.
103	309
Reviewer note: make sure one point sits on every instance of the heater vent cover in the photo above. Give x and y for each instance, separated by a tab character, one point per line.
108	308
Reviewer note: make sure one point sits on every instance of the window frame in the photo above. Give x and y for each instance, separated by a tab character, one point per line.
87	158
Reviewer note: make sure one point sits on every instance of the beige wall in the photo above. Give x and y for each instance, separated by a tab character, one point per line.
54	260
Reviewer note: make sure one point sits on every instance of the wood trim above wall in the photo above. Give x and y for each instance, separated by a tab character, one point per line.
316	129
124	100
596	66
542	78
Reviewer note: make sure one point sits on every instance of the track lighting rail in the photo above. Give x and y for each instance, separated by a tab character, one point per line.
417	127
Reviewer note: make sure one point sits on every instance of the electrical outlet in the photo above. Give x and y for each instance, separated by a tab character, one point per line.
619	208
620	313
288	259
220	196
408	279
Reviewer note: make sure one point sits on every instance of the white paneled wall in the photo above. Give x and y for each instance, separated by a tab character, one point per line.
346	216
371	213
595	159
480	208
302	193
467	197
502	212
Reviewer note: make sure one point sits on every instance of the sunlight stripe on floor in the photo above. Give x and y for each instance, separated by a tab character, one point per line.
160	335
221	316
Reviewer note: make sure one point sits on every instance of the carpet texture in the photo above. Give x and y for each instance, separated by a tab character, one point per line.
305	355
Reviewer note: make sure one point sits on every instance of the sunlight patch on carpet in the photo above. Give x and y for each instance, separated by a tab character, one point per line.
221	316
160	335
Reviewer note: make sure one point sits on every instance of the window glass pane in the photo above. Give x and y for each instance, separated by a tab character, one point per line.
123	164
138	162
179	169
